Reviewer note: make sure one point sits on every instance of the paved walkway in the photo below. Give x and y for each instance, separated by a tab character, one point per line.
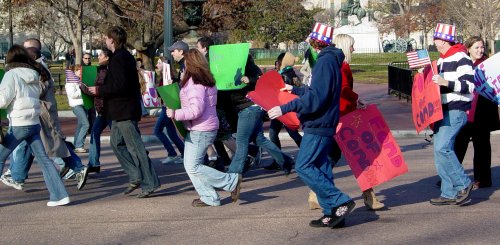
272	209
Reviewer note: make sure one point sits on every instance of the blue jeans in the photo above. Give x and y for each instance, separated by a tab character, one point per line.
165	122
99	125
23	159
31	134
274	130
315	170
250	129
82	125
129	149
205	178
453	177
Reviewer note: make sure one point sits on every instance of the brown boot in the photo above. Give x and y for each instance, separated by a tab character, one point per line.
371	201
313	201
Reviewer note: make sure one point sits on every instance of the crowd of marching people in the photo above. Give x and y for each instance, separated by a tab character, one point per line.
220	120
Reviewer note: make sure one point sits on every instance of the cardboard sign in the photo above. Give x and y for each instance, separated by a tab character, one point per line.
170	95
369	147
425	99
267	95
150	98
89	74
487	78
227	64
3	112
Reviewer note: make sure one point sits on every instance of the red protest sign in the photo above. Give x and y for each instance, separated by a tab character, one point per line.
267	95
425	99
369	147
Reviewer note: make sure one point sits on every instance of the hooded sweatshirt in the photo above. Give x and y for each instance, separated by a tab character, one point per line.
19	94
318	104
456	67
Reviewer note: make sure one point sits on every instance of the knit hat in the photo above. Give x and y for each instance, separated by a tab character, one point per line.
445	32
288	60
322	33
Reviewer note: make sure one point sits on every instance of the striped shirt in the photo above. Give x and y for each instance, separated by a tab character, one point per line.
457	70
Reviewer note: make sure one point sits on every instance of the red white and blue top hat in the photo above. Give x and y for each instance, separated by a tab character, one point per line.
322	33
445	32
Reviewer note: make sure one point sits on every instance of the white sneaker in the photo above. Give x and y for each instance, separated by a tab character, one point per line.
172	160
8	181
61	202
6	174
81	150
179	160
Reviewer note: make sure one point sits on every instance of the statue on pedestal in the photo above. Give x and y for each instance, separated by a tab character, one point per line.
353	7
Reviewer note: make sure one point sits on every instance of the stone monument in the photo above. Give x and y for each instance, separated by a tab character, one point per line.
354	20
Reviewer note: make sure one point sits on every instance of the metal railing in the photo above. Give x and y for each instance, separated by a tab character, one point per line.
400	80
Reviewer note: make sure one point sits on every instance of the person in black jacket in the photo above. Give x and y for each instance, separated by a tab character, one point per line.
122	105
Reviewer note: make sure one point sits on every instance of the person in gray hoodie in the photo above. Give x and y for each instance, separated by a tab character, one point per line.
19	95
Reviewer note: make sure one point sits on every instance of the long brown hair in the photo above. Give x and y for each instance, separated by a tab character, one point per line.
197	68
17	55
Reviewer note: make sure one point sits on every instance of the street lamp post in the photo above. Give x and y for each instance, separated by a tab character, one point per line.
167	28
11	32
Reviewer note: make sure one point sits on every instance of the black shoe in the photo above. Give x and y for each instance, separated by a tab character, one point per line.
96	169
324	222
287	167
339	213
464	194
273	167
197	203
443	201
64	171
130	188
249	162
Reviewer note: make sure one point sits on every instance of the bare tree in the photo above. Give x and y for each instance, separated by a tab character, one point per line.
478	17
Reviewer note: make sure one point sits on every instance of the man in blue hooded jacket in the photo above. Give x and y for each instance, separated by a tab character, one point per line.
318	111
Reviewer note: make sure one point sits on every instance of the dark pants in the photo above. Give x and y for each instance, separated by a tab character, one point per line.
129	149
482	150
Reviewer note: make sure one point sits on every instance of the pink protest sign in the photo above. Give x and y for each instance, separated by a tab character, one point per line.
487	78
425	99
369	147
267	95
150	97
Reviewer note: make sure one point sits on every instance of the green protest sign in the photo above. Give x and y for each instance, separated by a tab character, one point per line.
3	112
89	73
227	64
170	96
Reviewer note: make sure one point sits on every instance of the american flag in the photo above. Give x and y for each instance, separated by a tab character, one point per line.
71	77
418	58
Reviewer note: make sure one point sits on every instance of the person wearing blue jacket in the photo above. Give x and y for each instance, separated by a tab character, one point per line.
318	110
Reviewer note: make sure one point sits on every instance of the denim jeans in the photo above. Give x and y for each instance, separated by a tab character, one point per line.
99	125
315	170
205	178
453	177
274	130
31	134
22	160
250	129
82	125
129	149
165	122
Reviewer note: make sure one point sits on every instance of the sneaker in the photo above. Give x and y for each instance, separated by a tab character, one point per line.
81	178
249	162
94	169
81	150
61	202
6	174
443	201
146	194
64	171
273	167
173	160
464	194
324	222
339	213
235	194
8	181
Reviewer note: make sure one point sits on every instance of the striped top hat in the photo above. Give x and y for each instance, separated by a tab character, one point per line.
322	33
445	32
